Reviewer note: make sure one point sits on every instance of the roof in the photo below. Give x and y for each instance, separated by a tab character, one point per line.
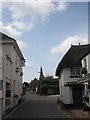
73	57
42	77
79	82
6	39
86	78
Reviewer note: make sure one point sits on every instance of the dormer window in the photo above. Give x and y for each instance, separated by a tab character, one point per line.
78	71
75	72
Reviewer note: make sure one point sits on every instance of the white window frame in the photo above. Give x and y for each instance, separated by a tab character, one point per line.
75	71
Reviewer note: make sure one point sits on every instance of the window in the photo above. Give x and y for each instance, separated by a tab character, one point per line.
8	93
85	63
7	59
78	71
16	60
72	71
75	71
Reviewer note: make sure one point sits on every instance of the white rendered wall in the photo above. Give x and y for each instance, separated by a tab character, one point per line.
10	75
88	62
66	92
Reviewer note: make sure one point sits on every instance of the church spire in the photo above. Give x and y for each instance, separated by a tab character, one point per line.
41	71
41	74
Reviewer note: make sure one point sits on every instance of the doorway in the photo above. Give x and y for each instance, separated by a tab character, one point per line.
77	96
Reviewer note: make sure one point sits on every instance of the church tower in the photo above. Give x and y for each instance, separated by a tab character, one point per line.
41	74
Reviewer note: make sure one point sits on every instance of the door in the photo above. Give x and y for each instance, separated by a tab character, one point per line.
77	96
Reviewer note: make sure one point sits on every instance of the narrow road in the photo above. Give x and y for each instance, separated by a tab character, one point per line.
36	106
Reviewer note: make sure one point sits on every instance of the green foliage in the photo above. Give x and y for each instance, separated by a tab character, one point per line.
44	85
48	82
43	89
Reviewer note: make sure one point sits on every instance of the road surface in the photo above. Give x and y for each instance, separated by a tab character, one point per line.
36	106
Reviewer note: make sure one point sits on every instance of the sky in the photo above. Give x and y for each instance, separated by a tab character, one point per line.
44	31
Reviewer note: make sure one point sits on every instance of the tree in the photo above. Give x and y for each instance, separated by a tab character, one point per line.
50	84
26	84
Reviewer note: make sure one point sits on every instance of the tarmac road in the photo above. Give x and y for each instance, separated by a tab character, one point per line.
36	106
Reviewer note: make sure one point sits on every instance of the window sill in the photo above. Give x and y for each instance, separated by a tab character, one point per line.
75	76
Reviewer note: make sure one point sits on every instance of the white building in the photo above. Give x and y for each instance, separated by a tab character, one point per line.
86	62
69	71
85	80
12	71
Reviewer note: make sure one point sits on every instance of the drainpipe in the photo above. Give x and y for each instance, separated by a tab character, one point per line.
89	96
1	90
1	80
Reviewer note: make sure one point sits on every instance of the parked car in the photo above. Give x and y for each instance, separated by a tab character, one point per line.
31	91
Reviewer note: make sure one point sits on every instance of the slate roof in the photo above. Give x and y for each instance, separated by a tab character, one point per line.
5	38
73	57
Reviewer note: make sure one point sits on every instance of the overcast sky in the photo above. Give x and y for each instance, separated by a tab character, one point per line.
44	31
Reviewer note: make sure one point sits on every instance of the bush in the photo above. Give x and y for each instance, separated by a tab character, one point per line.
45	85
44	89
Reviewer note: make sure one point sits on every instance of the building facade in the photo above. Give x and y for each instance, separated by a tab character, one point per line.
12	72
69	70
86	62
85	80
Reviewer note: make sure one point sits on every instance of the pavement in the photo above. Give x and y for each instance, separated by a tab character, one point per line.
79	113
36	106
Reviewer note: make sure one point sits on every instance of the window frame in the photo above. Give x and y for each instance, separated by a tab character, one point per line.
75	72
